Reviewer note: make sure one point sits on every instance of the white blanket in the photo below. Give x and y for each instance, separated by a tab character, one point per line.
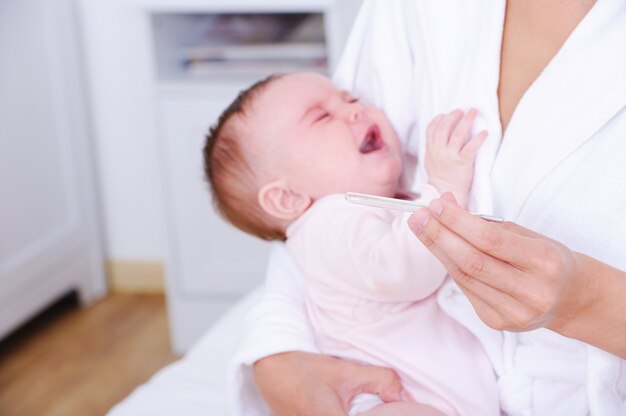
559	170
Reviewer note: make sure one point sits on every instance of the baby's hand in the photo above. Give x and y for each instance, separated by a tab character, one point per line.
450	152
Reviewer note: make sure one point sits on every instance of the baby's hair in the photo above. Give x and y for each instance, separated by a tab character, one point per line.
232	182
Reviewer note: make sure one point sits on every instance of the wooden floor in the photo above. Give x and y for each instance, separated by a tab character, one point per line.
77	361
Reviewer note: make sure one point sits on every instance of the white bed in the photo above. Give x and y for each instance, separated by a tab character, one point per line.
196	384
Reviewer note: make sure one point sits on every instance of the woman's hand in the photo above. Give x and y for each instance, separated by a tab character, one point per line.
300	383
519	280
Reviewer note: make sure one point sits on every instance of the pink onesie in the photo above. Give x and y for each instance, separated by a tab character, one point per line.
370	296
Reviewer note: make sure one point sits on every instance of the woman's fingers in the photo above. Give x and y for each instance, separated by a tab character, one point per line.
518	229
498	309
522	275
498	292
486	300
462	260
505	242
491	315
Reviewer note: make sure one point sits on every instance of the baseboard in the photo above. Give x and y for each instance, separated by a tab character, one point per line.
136	277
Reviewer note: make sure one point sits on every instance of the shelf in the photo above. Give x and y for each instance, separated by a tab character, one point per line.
237	46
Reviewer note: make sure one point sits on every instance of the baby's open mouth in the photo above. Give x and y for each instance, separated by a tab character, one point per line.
372	141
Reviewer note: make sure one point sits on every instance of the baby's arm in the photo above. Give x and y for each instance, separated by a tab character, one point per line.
368	252
390	265
451	151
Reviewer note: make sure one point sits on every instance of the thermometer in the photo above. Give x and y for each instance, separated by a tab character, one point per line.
400	204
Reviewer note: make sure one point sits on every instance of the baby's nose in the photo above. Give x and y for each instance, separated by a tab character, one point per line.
354	114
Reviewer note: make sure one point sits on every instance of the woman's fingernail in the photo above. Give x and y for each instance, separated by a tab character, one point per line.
436	206
418	220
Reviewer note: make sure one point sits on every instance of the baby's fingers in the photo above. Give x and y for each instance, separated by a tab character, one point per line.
446	126
462	131
432	127
470	148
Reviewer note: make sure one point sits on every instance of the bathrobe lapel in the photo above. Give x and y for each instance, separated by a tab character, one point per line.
566	94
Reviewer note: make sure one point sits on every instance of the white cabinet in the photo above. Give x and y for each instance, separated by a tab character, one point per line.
208	249
49	239
210	264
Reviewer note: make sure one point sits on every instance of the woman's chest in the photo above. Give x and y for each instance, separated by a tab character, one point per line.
534	31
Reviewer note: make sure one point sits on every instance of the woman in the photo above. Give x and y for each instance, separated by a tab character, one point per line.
557	169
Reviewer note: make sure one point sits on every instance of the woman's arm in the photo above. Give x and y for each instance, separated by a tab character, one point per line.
518	280
300	383
602	321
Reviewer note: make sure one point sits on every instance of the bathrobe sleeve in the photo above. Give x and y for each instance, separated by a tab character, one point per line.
277	323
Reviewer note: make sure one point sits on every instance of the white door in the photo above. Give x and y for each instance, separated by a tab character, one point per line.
49	239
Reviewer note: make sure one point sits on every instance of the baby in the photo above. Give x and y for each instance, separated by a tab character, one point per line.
278	162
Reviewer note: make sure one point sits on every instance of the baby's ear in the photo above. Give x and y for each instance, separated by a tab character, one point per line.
279	201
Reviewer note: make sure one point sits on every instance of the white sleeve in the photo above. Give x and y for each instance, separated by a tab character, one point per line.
277	323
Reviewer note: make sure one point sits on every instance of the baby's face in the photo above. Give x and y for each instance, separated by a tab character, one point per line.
321	140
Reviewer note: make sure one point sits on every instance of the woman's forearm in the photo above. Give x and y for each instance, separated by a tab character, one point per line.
599	318
301	383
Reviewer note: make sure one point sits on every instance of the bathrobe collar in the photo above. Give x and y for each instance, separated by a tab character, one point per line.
593	58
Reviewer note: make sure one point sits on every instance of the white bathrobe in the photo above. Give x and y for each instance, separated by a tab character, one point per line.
560	170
